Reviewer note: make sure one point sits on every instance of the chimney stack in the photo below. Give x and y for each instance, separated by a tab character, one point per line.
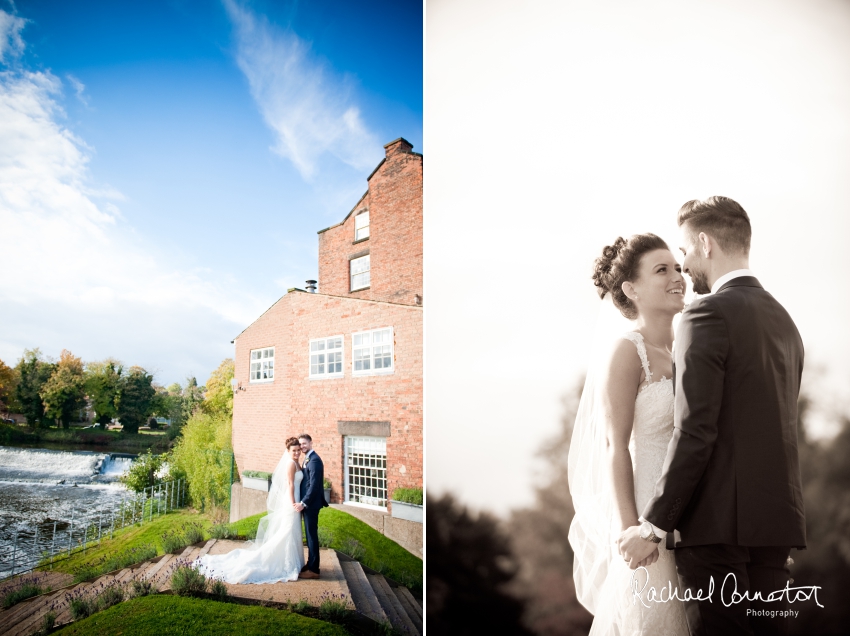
398	146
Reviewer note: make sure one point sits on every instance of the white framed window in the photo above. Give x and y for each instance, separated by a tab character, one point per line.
366	471
372	352
326	359
262	365
361	226
359	272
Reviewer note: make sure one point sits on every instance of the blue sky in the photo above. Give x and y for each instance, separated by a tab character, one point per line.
165	166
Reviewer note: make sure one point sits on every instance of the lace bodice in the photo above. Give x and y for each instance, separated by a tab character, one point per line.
652	427
651	432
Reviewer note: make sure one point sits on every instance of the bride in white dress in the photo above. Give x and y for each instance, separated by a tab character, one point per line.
277	554
623	427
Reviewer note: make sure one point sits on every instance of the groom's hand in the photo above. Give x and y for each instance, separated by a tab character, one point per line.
632	548
298	507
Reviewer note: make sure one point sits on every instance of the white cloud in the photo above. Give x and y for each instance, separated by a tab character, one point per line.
11	41
307	104
76	274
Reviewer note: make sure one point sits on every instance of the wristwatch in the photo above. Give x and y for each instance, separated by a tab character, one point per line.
647	533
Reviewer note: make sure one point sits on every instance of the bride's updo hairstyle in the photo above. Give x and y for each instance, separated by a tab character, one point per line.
619	263
292	441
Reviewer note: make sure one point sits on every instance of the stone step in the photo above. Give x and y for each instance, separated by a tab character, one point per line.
207	546
391	605
185	558
410	608
417	608
362	593
19	612
30	621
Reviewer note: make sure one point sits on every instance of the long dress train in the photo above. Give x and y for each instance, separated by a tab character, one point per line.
278	552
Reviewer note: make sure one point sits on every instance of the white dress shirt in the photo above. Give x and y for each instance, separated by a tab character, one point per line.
735	273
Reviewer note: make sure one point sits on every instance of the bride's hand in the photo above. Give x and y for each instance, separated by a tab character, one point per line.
652	558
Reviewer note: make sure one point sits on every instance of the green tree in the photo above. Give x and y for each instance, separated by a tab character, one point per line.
135	399
193	398
219	395
64	393
143	471
203	456
103	386
8	384
34	370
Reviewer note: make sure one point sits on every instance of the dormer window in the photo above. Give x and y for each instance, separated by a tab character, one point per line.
361	226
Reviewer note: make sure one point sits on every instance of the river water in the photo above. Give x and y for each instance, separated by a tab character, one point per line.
41	489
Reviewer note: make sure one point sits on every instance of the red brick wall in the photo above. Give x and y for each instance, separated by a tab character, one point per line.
394	201
264	415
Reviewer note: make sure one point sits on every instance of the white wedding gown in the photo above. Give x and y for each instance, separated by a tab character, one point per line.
620	613
278	552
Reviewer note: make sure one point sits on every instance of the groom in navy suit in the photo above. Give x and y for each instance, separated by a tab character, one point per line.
312	501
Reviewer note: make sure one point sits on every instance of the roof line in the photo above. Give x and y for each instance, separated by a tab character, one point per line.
295	289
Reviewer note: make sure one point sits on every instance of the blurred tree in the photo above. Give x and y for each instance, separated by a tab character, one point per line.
103	387
34	370
193	398
8	385
539	535
826	560
64	393
469	565
219	395
135	399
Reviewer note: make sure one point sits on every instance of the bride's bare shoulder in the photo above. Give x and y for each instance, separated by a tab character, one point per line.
622	357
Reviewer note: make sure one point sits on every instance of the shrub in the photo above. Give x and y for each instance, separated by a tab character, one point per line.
82	608
22	593
203	454
256	474
333	608
326	537
187	581
193	532
224	531
111	595
143	471
48	621
178	539
408	495
173	541
301	606
353	548
141	588
218	589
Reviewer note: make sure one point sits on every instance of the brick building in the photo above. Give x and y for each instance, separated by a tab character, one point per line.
345	363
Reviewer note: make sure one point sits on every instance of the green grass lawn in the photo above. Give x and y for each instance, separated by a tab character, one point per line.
162	615
149	532
379	552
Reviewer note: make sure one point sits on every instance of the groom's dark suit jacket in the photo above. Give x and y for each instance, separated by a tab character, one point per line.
731	474
312	483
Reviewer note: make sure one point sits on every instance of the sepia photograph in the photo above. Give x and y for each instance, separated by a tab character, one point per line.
636	360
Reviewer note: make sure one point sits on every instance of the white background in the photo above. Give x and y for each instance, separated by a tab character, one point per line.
553	127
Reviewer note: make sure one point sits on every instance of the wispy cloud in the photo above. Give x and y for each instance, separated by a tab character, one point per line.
309	106
79	89
11	42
